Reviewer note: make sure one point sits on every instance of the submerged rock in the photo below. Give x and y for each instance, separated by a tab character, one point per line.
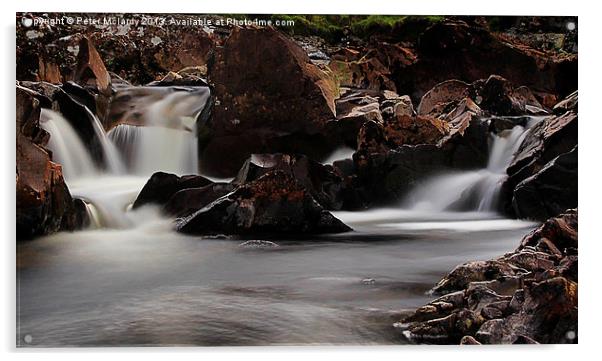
275	203
526	296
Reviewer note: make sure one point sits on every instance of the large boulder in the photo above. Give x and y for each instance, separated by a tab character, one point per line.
275	203
44	204
322	182
269	97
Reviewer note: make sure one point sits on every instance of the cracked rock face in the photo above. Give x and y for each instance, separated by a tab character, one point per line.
526	296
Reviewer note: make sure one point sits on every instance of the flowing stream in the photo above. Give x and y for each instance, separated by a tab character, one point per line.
131	280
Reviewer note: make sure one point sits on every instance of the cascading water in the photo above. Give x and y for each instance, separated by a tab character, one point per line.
167	140
472	190
67	148
164	140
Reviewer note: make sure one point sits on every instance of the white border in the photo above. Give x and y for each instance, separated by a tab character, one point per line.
589	177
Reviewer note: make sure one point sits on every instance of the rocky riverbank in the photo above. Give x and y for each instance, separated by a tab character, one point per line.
525	296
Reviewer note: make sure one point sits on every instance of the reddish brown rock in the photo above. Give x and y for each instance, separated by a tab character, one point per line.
269	97
365	73
525	296
91	69
320	180
44	204
454	49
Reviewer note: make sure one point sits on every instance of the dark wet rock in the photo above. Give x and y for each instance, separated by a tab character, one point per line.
186	201
549	191
498	124
322	182
162	186
388	169
44	203
281	104
542	177
275	203
467	51
526	296
499	96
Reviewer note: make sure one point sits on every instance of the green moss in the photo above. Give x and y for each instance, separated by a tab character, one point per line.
333	27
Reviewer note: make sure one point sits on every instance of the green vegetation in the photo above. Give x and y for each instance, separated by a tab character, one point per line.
333	27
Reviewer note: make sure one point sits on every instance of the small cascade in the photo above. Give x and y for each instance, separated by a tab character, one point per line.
66	146
148	149
166	139
472	190
340	154
112	157
160	137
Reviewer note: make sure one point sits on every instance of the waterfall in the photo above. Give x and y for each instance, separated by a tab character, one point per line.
166	140
112	158
472	190
66	146
163	138
151	148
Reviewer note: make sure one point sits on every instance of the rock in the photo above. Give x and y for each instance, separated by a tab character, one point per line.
281	104
441	95
353	110
469	340
462	275
455	49
186	201
44	204
500	97
275	203
162	186
90	68
546	161
568	103
408	130
525	296
549	191
139	55
258	244
320	180
364	73
558	232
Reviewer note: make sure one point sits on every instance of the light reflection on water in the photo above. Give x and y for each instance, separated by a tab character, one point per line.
149	286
